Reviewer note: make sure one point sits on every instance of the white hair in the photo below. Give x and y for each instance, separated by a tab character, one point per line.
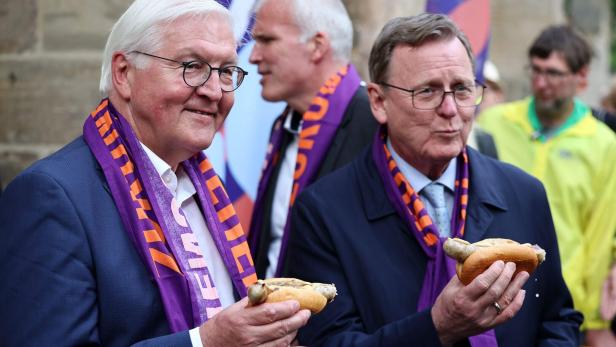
328	16
139	29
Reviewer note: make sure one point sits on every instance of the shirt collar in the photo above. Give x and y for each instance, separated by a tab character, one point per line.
418	180
293	122
179	185
160	165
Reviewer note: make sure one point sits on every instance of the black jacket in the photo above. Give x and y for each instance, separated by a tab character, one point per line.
356	130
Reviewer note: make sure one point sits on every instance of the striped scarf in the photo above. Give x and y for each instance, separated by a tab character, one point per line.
407	203
157	226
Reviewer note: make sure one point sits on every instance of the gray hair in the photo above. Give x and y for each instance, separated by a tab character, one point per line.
139	29
328	16
413	31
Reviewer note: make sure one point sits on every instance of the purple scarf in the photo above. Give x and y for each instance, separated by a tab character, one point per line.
157	226
320	123
407	203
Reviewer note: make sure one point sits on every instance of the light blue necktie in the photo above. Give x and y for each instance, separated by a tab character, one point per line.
435	194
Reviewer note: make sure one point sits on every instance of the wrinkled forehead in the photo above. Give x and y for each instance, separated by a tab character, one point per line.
431	55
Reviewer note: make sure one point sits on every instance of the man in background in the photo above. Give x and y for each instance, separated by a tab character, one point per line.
553	136
303	51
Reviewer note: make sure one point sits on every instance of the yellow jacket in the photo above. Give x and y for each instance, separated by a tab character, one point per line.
577	166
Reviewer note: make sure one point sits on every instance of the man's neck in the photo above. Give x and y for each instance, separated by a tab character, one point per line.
431	169
418	178
320	76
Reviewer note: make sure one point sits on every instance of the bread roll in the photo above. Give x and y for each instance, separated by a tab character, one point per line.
311	296
473	259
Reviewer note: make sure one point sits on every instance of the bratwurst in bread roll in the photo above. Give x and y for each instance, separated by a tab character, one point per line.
475	258
311	296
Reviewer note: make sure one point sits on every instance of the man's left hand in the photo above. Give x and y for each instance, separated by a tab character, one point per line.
491	299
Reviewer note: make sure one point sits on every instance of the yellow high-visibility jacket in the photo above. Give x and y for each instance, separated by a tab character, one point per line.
577	166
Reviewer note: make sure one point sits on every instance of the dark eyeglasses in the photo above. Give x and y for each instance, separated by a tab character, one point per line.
429	98
197	72
550	75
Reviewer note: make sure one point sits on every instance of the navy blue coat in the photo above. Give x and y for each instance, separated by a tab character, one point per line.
70	276
345	231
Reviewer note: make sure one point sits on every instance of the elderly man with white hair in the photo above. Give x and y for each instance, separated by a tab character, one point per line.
126	236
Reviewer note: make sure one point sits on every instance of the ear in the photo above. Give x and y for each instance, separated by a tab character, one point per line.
320	46
582	79
120	68
377	102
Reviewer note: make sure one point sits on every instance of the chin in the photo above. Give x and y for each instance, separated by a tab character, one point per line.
202	143
545	105
271	98
446	154
272	94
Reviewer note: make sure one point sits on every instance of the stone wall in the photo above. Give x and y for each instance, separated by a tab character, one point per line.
368	19
592	17
515	24
50	56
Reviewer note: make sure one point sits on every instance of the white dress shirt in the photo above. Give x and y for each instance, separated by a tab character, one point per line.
282	196
184	191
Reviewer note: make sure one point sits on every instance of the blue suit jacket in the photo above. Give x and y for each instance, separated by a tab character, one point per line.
345	231
70	276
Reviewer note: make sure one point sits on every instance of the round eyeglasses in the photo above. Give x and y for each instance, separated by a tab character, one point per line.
429	98
197	72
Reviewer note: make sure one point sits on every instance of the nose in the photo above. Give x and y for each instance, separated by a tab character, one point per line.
255	54
448	107
539	80
211	88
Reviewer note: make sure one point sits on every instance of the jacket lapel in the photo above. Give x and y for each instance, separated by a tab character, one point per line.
101	175
374	200
333	152
485	197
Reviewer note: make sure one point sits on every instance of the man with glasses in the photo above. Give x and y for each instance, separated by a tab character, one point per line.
553	136
126	236
303	51
376	227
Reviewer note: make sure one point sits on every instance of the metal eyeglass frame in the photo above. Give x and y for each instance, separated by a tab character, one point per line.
241	72
452	92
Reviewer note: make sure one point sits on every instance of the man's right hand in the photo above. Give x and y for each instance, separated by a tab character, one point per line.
271	324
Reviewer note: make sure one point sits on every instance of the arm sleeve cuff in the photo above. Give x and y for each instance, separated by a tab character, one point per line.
195	337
